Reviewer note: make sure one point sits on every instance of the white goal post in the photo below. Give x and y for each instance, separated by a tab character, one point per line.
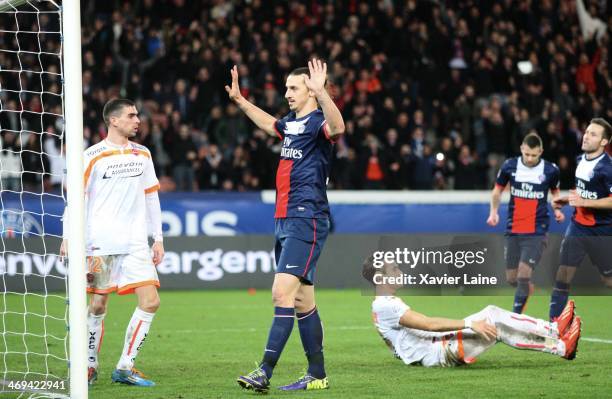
40	85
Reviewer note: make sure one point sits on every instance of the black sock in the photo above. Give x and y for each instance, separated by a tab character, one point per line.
558	299
311	332
277	338
521	295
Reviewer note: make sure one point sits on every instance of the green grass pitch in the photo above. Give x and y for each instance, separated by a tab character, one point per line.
201	341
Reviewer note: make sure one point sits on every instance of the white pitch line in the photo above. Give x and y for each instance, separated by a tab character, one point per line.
251	330
598	340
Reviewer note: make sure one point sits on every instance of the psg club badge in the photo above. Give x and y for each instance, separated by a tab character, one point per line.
591	174
542	178
135	151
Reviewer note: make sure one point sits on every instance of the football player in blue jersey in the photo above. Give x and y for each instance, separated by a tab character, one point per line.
530	178
308	132
590	231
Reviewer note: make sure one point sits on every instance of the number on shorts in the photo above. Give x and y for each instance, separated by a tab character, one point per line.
95	264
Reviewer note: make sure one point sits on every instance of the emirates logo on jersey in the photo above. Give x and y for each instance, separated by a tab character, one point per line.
583	192
291	153
287	152
527	191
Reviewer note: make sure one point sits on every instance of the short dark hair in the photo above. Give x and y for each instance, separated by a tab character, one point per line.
607	128
368	271
112	107
300	71
532	140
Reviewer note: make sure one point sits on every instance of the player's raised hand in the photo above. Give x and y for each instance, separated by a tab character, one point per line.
559	216
318	75
234	90
484	329
158	252
493	219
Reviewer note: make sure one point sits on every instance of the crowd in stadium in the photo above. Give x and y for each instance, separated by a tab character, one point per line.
435	94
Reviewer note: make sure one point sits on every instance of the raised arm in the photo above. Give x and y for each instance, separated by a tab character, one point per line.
261	118
412	319
316	83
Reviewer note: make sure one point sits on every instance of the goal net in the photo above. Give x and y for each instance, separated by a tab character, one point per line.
34	301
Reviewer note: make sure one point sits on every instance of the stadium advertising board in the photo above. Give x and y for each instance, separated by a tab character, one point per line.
237	214
436	264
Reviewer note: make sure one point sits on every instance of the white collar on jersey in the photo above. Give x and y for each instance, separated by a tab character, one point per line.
597	158
585	167
118	146
541	161
533	174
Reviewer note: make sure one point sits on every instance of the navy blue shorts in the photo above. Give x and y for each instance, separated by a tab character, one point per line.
595	241
524	248
299	242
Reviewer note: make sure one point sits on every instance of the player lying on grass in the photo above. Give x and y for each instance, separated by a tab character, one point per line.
434	341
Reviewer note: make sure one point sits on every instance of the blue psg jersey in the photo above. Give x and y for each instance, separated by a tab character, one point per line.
529	186
593	181
303	170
